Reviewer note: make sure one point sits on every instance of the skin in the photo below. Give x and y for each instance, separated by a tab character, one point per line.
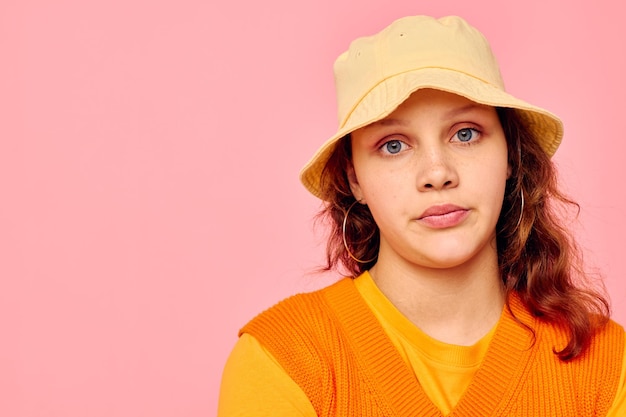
436	151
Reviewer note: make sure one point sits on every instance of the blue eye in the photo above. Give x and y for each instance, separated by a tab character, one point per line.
393	146
465	135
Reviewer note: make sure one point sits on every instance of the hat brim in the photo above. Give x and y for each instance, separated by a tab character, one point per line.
386	96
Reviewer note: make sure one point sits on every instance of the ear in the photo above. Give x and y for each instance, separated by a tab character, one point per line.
355	187
509	171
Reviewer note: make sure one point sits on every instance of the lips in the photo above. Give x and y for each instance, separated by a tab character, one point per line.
441	210
442	216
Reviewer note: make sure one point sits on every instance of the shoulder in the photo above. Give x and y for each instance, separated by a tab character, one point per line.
304	335
608	337
296	310
611	332
300	319
597	370
255	384
606	348
607	341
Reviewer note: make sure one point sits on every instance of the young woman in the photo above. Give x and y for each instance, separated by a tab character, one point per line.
466	295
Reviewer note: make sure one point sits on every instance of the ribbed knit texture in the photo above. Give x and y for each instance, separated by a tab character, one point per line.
332	346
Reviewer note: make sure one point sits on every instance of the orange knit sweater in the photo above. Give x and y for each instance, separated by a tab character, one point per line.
331	344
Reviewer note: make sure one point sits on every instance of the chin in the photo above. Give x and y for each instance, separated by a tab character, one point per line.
436	261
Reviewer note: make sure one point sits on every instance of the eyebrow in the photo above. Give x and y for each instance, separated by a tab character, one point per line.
467	108
449	115
387	122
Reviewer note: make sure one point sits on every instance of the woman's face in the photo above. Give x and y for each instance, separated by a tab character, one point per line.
433	174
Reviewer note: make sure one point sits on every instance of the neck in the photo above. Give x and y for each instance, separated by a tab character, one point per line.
456	305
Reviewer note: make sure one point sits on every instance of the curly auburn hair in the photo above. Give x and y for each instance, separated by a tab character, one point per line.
537	257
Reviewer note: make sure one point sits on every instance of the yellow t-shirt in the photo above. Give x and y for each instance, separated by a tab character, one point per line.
254	383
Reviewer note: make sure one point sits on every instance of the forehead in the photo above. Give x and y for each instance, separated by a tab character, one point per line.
446	105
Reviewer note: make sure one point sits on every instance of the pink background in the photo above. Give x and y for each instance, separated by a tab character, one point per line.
149	154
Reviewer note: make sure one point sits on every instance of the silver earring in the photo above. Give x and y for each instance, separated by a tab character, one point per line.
345	242
521	212
521	190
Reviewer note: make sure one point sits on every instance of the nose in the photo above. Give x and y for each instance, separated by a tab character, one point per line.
436	169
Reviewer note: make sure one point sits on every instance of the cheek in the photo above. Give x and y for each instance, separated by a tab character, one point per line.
496	175
490	176
377	196
381	184
379	190
497	179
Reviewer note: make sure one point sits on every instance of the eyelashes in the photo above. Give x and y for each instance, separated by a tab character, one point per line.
466	134
395	146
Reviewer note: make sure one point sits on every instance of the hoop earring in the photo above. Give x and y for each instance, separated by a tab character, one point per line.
345	242
521	213
521	190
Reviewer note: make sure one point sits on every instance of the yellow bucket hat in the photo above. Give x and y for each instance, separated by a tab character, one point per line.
379	72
